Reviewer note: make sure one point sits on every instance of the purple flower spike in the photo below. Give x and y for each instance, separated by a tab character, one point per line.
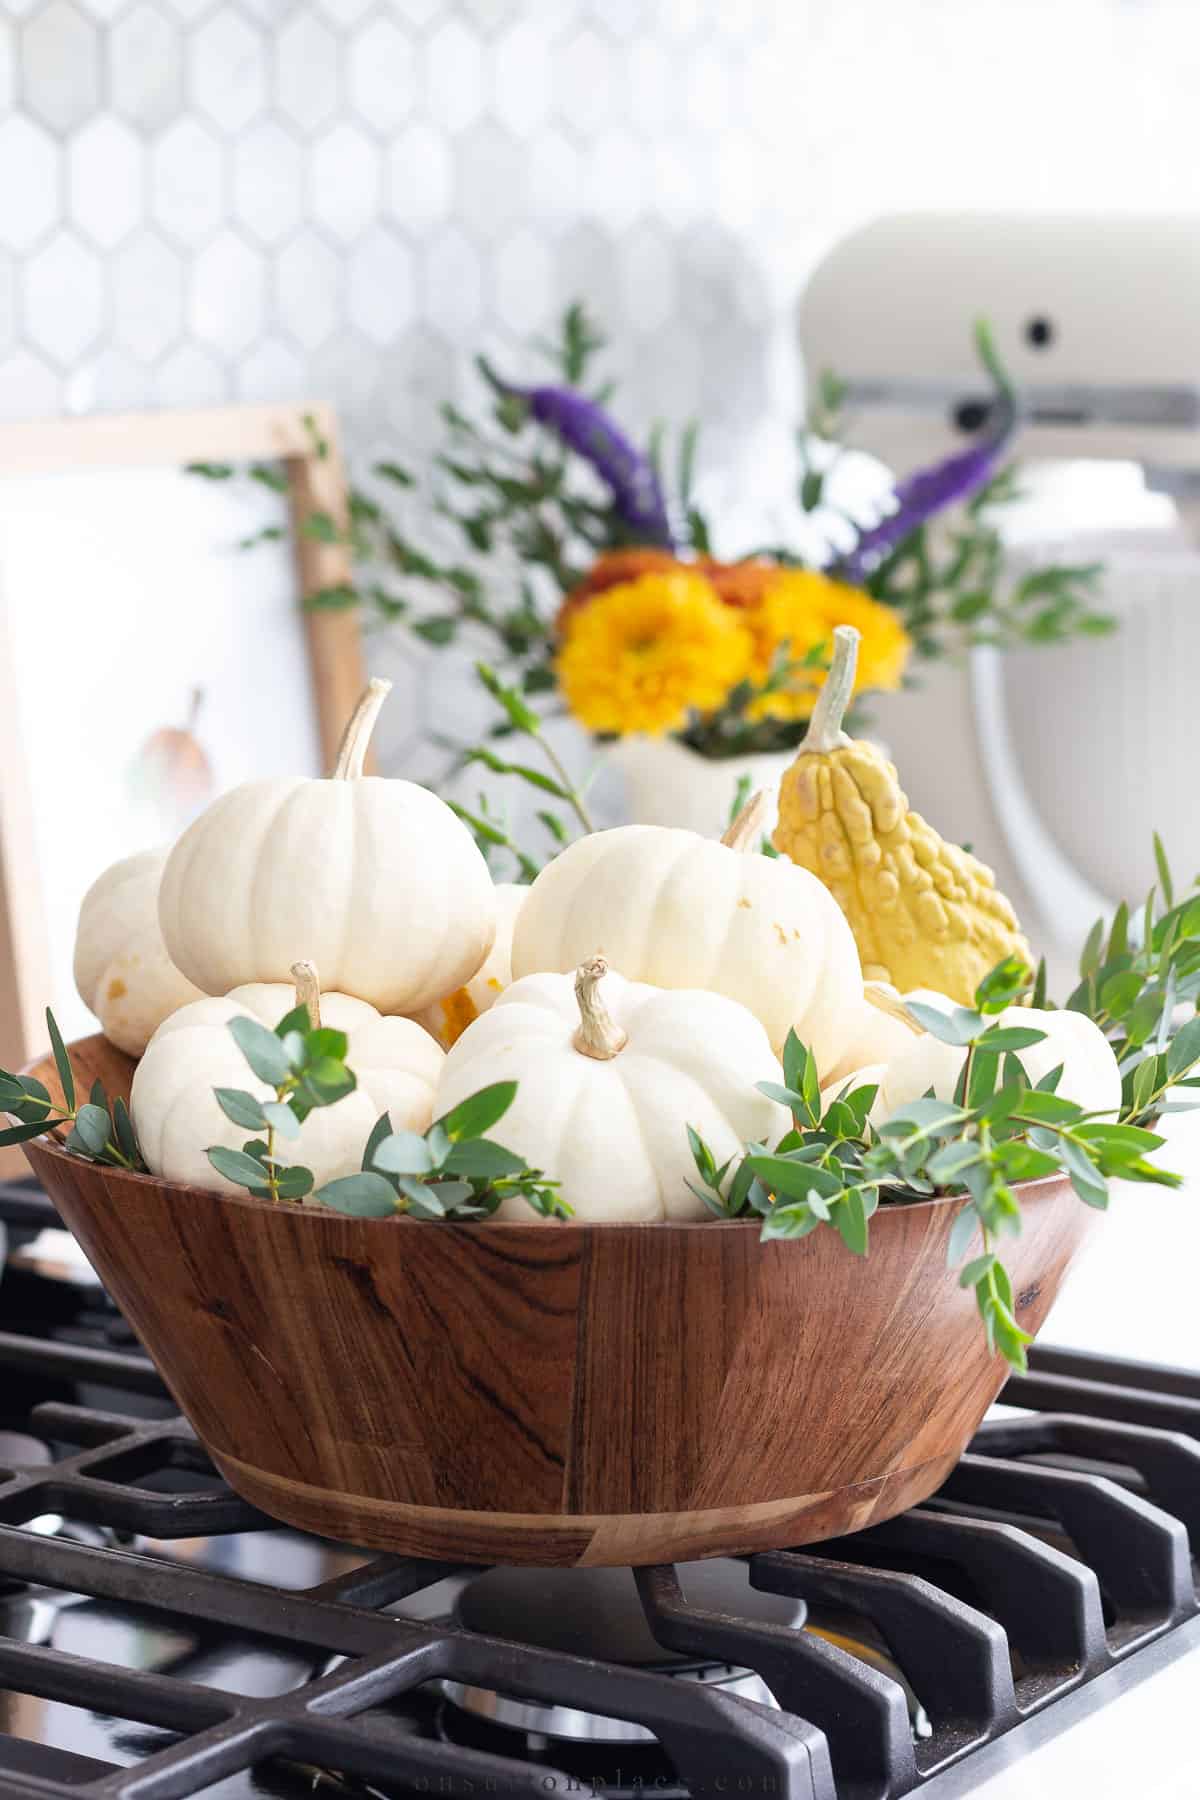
925	493
586	428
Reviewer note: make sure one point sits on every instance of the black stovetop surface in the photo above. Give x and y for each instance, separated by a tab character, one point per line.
160	1638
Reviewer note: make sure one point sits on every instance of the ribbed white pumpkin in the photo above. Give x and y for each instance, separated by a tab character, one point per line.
682	911
374	879
1090	1076
449	1017
177	1119
122	969
607	1085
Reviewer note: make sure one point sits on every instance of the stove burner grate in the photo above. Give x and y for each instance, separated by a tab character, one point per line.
1025	1577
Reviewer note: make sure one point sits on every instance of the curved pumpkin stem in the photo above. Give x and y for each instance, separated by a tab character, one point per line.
598	1035
308	991
825	727
352	751
749	828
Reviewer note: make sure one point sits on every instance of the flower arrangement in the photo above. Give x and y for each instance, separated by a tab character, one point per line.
592	581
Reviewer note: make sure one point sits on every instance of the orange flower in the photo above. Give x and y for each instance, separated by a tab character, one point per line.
612	567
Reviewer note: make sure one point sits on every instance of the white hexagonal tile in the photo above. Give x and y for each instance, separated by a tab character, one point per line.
347	370
345	12
190	377
228	293
586	82
345	181
420	177
490	181
268	182
271	372
110	382
680	175
652	88
29	388
417	12
105	10
706	84
520	66
147	296
381	74
308	289
63	301
555	177
60	65
587	271
451	283
28	207
454	87
648	279
307	58
490	15
619	18
681	19
616	177
8	301
419	376
105	180
523	289
8	71
227	63
187	195
269	12
145	66
188	9
380	287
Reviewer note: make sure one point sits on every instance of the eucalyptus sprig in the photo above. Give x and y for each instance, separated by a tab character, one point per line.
99	1130
834	1167
452	1172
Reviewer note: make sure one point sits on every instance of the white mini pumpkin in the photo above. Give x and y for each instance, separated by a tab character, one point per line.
177	1117
376	880
449	1017
122	969
608	1084
1090	1076
682	911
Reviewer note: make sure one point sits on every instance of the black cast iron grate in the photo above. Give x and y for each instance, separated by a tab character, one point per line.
1029	1574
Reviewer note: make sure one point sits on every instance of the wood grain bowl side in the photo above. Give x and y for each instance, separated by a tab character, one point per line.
555	1394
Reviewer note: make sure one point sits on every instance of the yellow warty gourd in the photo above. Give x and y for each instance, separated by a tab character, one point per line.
924	913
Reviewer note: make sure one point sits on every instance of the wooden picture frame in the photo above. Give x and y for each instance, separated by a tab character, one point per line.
303	442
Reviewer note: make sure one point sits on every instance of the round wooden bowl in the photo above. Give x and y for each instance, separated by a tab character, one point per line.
554	1394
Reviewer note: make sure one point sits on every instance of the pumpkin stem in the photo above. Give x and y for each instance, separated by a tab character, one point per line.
750	827
825	727
878	995
352	751
308	991
597	1036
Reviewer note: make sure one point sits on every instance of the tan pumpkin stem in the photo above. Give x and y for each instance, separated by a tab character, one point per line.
825	727
352	751
884	1001
750	827
308	990
598	1035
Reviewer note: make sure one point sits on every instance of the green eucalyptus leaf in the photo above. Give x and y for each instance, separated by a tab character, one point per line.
365	1195
92	1128
239	1167
126	1137
242	1108
851	1220
959	1027
262	1050
476	1115
293	1182
22	1134
62	1061
402	1153
297	1020
279	1115
1183	1051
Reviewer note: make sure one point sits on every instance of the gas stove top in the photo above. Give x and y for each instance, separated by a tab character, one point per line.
1018	1634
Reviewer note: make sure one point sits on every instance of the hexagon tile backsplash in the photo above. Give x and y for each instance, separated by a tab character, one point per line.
210	199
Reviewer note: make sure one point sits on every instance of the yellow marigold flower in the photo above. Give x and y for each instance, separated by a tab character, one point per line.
644	654
800	607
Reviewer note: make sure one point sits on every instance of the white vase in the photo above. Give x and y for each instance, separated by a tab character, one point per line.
668	784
